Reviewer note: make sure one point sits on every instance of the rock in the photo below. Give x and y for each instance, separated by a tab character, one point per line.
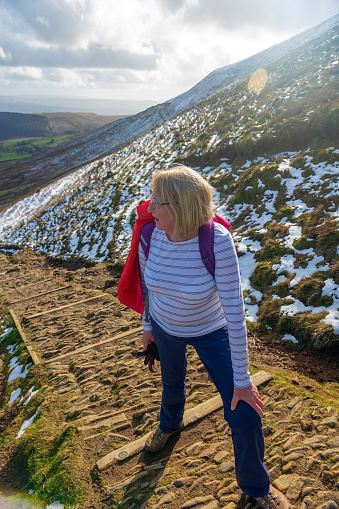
327	475
210	435
212	505
328	452
330	504
49	353
331	421
334	442
126	501
220	456
196	501
311	463
230	505
163	489
306	491
273	458
284	481
233	497
324	496
193	449
182	481
296	408
291	441
294	490
72	413
267	431
166	499
209	451
292	403
125	483
226	467
314	440
220	427
306	424
289	467
198	482
294	456
274	472
232	488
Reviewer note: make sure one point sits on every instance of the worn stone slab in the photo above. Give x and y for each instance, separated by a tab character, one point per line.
190	416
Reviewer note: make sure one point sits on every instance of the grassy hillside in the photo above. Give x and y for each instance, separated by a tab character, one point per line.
19	178
272	156
72	123
26	125
19	125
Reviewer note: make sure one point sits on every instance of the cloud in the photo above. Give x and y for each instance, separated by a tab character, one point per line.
20	74
5	57
155	47
94	56
271	15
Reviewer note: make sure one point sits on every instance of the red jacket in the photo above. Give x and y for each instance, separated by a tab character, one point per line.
129	289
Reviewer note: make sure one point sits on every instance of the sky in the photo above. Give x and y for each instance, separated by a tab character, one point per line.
138	49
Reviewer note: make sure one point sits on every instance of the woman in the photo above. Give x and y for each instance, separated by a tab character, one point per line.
187	306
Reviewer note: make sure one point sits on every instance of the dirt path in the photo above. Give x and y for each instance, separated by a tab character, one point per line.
86	342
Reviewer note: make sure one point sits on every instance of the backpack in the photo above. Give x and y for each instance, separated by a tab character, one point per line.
129	289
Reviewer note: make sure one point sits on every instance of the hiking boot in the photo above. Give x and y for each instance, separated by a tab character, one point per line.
273	500
157	440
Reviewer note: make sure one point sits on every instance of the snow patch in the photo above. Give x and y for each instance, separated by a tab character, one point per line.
27	423
289	337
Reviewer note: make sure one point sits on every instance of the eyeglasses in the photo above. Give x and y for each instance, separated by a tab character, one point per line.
155	202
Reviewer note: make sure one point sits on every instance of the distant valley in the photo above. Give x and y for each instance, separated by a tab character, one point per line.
25	138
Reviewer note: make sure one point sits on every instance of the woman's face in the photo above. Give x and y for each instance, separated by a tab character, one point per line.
162	215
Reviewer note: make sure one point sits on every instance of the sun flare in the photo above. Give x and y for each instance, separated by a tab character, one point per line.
257	81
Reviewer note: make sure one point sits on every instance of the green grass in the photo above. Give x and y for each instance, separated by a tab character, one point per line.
49	455
9	149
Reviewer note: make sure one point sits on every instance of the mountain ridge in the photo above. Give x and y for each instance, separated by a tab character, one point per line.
104	141
272	158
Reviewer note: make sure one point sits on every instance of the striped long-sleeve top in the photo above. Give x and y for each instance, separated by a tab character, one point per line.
185	300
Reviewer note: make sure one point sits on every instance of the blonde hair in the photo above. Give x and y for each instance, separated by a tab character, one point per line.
189	195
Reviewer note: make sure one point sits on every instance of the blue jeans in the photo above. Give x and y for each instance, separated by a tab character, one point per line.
247	434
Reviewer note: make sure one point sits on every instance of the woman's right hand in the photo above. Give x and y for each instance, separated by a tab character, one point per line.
147	338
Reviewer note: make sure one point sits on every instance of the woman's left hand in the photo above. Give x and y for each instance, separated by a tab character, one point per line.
249	394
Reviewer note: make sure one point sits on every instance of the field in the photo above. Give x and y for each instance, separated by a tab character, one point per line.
25	147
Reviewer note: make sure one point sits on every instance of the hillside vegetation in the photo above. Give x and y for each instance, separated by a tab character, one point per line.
272	156
19	125
23	147
27	125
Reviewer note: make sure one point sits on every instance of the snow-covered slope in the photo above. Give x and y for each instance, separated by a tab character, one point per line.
273	160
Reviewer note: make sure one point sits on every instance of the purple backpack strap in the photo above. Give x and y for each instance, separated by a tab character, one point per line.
145	236
206	242
206	246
